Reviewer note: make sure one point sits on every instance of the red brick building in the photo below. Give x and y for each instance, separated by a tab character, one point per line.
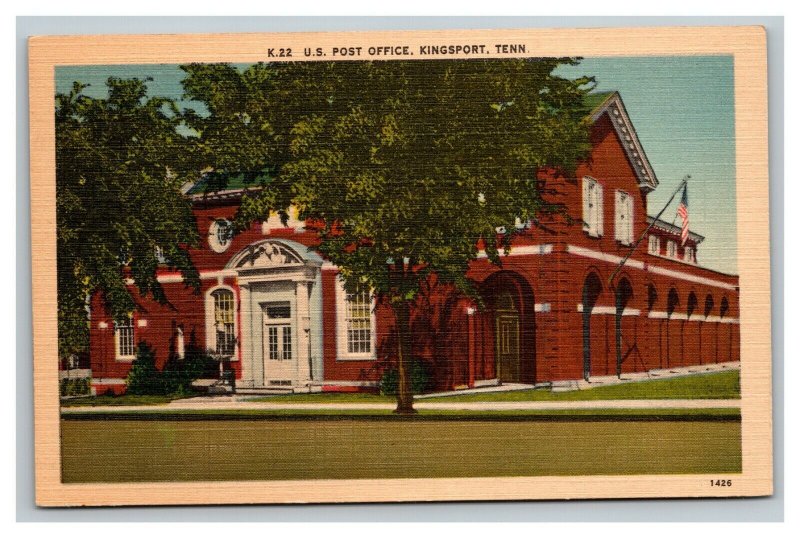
276	313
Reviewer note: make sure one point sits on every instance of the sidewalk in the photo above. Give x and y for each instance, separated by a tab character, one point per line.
231	404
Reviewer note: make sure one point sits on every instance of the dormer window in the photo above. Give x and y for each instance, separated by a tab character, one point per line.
623	217
688	255
672	249
592	207
160	257
654	245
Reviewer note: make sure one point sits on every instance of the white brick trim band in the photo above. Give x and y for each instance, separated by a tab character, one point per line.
610	258
602	256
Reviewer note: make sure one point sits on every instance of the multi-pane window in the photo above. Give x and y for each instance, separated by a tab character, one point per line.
654	245
355	322
358	318
287	343
272	342
592	207
688	255
124	339
505	338
672	249
623	217
224	324
279	331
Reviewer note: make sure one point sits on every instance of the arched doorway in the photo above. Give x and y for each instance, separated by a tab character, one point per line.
622	296
724	353
691	334
708	343
277	315
507	339
673	346
654	331
591	291
509	325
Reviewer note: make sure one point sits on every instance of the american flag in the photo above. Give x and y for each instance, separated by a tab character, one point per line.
683	213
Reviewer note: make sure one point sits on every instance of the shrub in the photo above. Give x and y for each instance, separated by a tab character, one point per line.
144	377
178	374
175	378
79	386
420	379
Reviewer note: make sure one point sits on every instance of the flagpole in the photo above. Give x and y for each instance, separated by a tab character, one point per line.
683	182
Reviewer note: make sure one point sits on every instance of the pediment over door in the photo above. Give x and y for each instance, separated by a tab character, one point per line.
267	255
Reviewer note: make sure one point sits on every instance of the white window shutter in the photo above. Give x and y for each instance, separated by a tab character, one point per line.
629	218
619	216
598	208
587	213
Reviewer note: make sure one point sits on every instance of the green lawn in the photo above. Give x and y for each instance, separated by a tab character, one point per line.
718	385
169	450
222	414
125	399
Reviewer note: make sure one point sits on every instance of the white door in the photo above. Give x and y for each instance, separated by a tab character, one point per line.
280	357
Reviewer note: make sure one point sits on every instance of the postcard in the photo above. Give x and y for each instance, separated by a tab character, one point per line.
400	266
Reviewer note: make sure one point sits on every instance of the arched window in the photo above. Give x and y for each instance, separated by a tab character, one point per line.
723	307
505	302
709	305
672	301
691	304
652	297
223	322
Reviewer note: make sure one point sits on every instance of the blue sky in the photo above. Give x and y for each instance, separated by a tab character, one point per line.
681	107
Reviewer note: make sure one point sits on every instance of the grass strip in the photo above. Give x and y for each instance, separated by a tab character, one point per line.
583	415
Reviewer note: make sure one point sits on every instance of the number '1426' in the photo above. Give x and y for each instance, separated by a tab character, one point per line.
722	483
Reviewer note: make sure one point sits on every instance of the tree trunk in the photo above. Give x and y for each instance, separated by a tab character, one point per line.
405	398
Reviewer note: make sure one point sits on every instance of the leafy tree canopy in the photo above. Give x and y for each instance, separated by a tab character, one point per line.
406	167
119	168
409	162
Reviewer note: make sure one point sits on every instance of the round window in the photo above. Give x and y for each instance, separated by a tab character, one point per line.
220	235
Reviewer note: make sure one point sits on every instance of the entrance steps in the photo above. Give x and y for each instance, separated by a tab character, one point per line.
267	391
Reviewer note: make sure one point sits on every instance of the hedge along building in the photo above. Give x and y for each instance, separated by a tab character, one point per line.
276	314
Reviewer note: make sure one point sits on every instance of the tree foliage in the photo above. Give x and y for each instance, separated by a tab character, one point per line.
406	168
119	168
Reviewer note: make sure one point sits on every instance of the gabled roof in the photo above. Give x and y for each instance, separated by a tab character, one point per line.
610	103
597	103
219	184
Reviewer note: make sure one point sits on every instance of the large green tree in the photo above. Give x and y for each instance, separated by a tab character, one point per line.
120	162
406	167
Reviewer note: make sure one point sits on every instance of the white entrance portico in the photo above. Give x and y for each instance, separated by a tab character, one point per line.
280	315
